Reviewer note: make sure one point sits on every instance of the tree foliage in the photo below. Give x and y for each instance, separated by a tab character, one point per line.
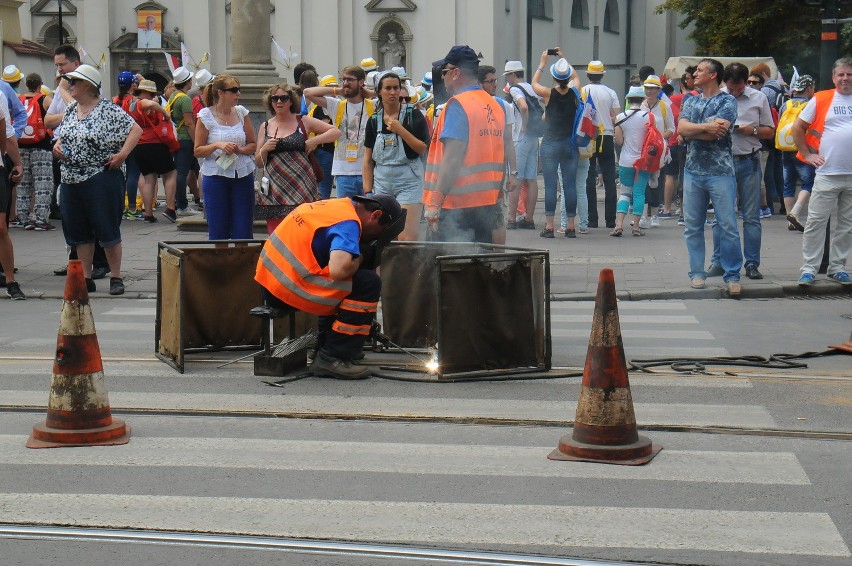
788	30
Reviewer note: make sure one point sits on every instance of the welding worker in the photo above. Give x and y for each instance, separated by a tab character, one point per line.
322	259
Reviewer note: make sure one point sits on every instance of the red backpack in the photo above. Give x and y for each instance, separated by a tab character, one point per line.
34	131
653	148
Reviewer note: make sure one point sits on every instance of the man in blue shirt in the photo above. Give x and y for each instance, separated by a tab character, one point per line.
705	124
16	108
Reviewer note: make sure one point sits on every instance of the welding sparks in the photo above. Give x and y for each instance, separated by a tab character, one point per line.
432	365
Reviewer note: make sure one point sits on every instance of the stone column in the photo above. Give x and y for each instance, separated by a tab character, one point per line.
250	61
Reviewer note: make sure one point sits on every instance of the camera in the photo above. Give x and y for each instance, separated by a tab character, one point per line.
264	184
553	51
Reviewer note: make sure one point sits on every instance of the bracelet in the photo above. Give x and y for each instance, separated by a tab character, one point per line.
540	69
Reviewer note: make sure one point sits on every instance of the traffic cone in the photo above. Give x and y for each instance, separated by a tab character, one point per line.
605	426
78	412
846	346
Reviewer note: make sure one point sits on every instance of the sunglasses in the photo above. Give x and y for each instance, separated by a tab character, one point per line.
72	82
234	89
275	98
754	82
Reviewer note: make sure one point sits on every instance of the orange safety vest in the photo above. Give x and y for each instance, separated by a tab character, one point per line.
481	175
813	133
287	267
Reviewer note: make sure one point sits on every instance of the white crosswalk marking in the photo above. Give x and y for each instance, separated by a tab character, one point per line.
440	523
649	329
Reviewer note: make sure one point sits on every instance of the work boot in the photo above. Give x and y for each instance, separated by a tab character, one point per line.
328	366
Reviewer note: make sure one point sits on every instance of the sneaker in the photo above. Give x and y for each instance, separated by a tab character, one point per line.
116	286
715	270
643	223
511	225
791	218
62	271
734	288
30	225
170	215
188	211
524	224
13	289
807	279
697	283
665	216
582	230
681	221
752	272
655	222
710	222
766	212
327	366
149	219
560	231
570	233
17	223
90	286
840	277
99	272
42	226
547	233
791	227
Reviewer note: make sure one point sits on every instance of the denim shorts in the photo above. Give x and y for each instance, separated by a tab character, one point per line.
92	209
526	155
404	182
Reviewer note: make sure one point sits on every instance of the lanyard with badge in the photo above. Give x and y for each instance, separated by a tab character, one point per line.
389	140
351	153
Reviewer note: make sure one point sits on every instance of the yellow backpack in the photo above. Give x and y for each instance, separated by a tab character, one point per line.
784	132
369	110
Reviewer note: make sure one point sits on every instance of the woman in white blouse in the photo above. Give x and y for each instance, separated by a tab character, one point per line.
225	146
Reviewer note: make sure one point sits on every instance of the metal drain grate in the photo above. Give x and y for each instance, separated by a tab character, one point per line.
821	297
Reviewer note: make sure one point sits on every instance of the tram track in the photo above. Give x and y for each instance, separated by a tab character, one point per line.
293	545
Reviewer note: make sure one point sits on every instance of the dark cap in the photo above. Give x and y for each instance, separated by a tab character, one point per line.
459	56
389	206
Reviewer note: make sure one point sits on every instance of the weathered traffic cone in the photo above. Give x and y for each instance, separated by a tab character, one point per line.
846	346
78	412
605	426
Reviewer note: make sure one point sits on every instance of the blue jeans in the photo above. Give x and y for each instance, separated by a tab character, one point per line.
132	184
698	190
748	177
582	197
91	209
349	185
325	159
229	206
559	155
795	169
183	164
774	177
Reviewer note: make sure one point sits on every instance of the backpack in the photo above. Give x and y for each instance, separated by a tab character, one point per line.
780	97
535	117
653	148
171	103
34	131
784	132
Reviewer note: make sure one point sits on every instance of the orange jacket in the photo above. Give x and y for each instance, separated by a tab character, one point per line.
481	175
813	133
287	267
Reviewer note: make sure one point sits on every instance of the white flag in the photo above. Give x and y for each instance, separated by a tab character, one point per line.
282	53
794	78
185	58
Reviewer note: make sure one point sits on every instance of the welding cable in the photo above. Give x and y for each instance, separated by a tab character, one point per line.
774	361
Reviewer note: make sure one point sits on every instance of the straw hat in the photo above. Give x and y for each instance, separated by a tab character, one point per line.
12	74
561	70
329	80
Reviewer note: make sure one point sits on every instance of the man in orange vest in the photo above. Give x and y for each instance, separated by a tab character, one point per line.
321	259
823	135
464	169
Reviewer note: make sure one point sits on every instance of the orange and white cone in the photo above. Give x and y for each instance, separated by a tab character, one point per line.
605	425
78	412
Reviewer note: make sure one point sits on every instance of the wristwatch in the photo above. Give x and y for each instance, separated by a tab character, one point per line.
754	133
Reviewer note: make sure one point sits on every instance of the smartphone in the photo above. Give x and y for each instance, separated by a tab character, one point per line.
553	51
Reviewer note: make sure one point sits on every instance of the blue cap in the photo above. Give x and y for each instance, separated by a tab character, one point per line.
126	78
459	56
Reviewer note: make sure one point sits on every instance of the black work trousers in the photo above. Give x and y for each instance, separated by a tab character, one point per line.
603	159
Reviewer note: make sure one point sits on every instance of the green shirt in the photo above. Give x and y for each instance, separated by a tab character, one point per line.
180	104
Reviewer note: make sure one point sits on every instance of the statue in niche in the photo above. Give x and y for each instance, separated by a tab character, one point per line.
393	52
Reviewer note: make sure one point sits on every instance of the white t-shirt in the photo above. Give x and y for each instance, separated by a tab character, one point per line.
4	105
837	135
353	129
663	121
606	102
634	134
509	109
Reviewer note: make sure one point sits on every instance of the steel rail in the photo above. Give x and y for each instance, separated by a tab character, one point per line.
294	545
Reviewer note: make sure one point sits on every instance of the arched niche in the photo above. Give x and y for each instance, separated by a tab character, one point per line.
49	34
388	48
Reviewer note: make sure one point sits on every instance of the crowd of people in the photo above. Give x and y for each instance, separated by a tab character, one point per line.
736	142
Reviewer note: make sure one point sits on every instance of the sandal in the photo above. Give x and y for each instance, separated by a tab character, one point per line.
637	232
616	233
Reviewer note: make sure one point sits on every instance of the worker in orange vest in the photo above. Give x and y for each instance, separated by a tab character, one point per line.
465	165
322	259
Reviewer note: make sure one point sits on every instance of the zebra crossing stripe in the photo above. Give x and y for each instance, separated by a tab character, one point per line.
437	523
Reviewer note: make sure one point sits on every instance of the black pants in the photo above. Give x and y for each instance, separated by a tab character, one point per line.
342	335
467	224
603	159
